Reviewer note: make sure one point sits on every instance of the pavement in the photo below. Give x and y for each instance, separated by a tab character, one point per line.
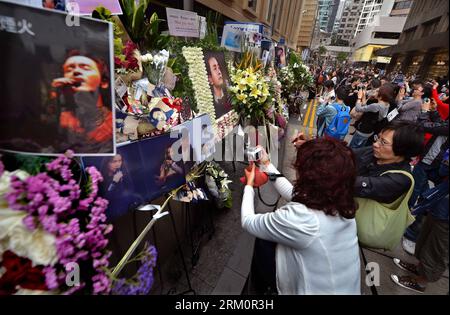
224	261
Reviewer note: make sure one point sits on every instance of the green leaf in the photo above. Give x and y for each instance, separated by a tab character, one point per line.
138	22
101	13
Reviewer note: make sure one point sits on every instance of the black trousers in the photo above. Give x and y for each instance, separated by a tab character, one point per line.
264	267
432	249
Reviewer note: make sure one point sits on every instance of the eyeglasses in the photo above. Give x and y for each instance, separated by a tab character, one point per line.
383	142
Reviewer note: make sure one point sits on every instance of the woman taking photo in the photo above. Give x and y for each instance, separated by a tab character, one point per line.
373	112
315	233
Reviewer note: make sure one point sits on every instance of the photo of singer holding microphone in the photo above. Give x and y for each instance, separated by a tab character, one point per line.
83	101
121	185
56	85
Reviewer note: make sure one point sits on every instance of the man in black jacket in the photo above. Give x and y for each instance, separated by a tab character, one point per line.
397	143
428	168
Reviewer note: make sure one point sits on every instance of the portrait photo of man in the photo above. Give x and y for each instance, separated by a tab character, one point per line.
280	57
83	102
219	82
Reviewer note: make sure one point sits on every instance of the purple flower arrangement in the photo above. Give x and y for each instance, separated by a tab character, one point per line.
73	212
143	280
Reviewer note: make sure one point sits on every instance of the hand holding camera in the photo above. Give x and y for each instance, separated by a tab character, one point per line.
300	140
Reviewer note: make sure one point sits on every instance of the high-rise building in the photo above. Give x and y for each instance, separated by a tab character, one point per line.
423	45
337	22
349	20
327	14
309	13
372	8
383	31
333	15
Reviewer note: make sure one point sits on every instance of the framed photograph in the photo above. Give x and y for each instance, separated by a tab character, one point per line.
204	139
163	167
86	7
124	184
185	132
280	57
55	4
56	83
219	80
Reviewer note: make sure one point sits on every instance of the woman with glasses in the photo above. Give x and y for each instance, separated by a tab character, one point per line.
393	149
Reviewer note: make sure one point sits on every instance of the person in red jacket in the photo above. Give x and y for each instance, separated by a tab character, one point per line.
442	107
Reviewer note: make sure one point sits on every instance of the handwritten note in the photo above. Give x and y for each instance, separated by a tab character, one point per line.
183	23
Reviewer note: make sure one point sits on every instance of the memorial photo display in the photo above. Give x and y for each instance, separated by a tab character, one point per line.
139	173
56	83
219	81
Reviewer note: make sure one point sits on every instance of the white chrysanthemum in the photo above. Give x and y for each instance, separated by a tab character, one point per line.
38	245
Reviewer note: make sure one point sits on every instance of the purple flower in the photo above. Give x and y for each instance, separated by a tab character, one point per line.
80	231
144	276
29	222
51	280
102	284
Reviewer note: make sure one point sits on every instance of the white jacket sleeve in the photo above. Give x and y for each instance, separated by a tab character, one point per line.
293	225
282	185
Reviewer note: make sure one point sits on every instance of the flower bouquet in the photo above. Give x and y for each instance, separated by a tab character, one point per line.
53	231
250	93
141	283
217	181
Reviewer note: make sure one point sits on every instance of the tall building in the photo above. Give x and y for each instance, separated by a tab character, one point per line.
349	20
423	45
384	31
309	13
337	22
333	15
372	8
327	14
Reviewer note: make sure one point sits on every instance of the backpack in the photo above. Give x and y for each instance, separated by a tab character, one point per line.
340	125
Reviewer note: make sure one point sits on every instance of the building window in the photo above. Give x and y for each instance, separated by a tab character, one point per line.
268	11
402	5
408	35
252	4
430	27
386	35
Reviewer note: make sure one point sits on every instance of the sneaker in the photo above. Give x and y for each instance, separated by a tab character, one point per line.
409	246
406	266
408	283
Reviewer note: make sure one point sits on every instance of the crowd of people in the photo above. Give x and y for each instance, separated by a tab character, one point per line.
364	181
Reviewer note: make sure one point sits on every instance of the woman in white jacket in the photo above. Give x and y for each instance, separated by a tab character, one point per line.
317	248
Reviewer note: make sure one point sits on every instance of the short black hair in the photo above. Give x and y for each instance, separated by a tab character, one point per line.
375	83
329	84
341	93
408	138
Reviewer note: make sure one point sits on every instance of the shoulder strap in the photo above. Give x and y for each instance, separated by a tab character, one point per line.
403	173
337	107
